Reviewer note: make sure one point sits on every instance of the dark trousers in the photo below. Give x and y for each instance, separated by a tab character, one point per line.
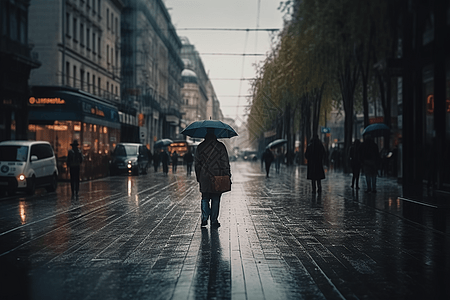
189	168
268	168
356	170
319	186
165	168
75	179
210	210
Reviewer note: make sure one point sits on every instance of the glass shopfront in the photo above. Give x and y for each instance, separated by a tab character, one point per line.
60	116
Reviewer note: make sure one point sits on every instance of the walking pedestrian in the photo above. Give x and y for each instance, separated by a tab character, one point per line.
278	159
156	160
354	156
174	161
211	159
74	160
268	158
314	154
150	156
188	158
164	156
370	158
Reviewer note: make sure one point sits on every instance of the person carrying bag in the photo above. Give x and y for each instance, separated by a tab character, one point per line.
212	169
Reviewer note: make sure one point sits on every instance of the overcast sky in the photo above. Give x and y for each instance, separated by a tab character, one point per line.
228	14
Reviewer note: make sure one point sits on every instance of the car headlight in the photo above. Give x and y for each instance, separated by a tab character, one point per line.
22	177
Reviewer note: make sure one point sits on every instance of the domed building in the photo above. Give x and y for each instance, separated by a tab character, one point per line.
194	98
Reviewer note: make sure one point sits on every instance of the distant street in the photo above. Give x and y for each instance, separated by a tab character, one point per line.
139	237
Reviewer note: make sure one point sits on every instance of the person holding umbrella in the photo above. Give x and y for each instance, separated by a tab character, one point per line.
314	154
211	160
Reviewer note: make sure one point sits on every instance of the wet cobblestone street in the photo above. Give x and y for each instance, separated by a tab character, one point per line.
139	237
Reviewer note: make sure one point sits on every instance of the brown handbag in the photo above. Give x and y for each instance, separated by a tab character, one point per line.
221	184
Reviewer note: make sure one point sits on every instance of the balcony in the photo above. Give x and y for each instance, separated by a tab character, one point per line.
18	51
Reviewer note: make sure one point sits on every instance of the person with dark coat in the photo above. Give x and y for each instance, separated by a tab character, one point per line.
156	160
150	156
354	156
268	158
165	158
74	160
370	158
188	159
211	159
174	161
315	152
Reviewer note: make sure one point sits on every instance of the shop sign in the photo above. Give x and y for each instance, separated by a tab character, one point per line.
92	109
44	101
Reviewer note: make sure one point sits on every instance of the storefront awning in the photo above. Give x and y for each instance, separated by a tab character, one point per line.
67	104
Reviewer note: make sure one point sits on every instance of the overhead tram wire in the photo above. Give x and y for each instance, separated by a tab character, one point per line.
237	54
230	29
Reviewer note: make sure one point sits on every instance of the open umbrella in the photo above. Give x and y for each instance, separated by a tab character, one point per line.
198	129
376	130
163	143
276	144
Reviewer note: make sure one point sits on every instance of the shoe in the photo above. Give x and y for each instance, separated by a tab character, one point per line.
215	225
204	223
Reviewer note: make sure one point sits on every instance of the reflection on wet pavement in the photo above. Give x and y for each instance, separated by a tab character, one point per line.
139	237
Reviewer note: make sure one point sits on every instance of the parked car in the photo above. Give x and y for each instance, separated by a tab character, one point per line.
250	155
26	165
129	158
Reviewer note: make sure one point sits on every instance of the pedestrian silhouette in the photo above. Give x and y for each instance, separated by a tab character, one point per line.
164	156
211	159
156	160
354	157
150	156
268	158
278	159
174	161
188	158
314	154
74	160
370	158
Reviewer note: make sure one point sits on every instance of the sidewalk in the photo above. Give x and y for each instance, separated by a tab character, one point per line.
140	238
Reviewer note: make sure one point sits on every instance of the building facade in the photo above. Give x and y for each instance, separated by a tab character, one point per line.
16	61
199	98
151	69
423	72
76	92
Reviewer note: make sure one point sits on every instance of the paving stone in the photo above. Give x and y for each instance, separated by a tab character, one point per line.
140	238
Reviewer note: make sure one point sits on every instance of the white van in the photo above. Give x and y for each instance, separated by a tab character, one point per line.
27	165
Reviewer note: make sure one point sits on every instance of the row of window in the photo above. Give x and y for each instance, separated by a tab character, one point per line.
112	23
85	83
95	4
13	22
90	40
